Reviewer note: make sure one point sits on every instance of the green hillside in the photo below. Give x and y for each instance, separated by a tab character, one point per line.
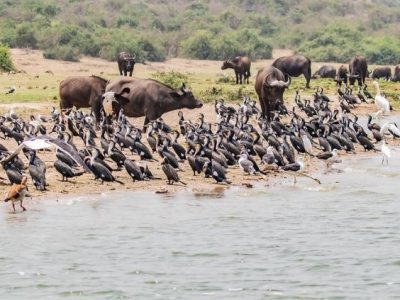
326	30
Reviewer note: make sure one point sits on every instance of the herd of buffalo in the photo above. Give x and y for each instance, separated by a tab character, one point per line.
151	99
233	141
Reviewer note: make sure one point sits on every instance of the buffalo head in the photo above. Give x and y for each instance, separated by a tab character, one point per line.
275	88
130	62
113	102
225	65
186	98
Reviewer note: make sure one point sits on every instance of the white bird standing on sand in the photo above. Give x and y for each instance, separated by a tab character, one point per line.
382	104
386	154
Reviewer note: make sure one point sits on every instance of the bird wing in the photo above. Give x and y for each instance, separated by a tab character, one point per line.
44	142
67	149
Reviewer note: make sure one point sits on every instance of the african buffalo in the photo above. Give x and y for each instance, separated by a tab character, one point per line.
382	72
325	72
82	91
241	65
126	63
294	65
342	75
149	98
396	76
270	85
358	68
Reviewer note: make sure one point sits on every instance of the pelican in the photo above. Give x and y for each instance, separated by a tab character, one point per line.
392	128
44	142
382	104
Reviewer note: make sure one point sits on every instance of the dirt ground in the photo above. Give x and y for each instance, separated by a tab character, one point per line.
32	62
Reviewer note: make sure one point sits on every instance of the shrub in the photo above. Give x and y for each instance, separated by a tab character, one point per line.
383	51
198	46
25	36
6	63
67	53
173	79
337	42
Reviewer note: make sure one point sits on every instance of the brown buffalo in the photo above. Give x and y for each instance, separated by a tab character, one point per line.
270	86
325	71
241	65
358	68
82	91
295	65
342	75
126	63
396	75
149	98
382	72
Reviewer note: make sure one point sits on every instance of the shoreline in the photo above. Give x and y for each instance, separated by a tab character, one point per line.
85	185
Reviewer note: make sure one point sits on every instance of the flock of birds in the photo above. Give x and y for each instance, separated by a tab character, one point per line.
240	136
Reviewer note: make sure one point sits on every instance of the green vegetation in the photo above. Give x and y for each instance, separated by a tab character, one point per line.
5	59
205	45
172	79
155	30
340	43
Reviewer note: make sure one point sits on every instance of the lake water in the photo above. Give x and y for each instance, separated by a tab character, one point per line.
338	240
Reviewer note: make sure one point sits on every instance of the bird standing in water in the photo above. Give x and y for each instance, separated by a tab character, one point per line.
385	152
17	193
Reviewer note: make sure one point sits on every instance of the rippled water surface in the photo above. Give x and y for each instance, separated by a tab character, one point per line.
337	240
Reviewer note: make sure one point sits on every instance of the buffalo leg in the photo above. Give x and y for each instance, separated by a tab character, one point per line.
146	121
240	77
130	73
262	104
307	75
237	77
96	108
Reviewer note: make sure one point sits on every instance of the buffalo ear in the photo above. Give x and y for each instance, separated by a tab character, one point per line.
125	90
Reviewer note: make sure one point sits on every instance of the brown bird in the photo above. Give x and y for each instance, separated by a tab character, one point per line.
17	193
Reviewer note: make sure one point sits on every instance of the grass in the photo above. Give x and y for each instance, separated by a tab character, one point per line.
205	78
29	88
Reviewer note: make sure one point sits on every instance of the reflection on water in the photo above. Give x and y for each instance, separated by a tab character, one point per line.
335	240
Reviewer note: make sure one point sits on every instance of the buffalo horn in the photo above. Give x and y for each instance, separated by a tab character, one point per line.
279	83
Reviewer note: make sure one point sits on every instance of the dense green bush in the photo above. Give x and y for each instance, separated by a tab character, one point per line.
202	29
6	63
336	42
173	79
62	52
383	51
340	43
198	45
204	45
